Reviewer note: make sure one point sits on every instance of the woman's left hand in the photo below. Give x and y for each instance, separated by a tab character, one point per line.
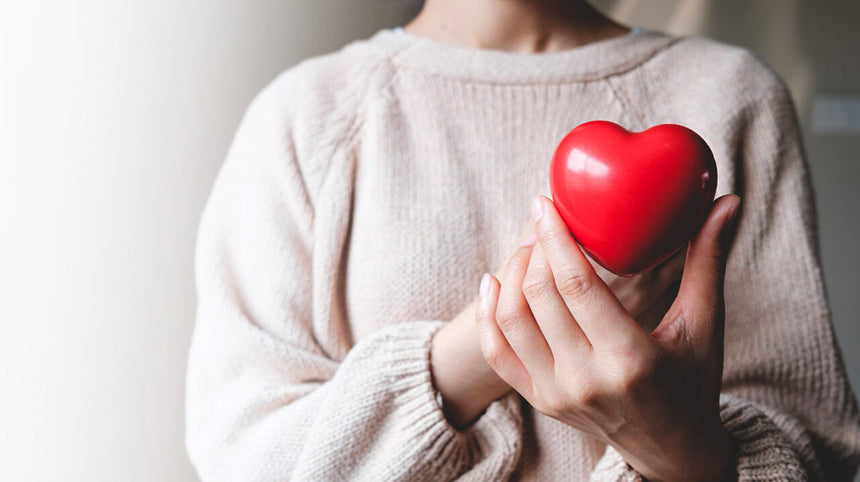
555	332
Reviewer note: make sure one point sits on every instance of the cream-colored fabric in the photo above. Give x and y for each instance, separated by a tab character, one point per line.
367	191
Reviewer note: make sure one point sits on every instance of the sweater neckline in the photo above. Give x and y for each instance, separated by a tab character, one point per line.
588	62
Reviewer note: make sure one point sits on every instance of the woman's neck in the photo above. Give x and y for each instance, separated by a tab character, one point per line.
526	26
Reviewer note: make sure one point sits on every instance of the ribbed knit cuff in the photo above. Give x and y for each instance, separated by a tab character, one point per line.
488	449
763	453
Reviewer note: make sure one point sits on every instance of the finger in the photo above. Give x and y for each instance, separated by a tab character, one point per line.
516	321
563	334
602	317
523	250
699	304
495	348
526	237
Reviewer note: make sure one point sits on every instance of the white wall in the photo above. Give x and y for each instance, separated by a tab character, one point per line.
114	117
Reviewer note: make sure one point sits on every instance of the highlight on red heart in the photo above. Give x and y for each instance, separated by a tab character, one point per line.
632	199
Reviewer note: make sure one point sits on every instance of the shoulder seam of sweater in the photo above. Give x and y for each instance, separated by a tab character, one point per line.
353	120
615	70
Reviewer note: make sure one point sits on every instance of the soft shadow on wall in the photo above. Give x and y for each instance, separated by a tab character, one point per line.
114	118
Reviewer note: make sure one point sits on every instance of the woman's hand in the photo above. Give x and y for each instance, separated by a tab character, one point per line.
646	296
554	331
461	375
467	384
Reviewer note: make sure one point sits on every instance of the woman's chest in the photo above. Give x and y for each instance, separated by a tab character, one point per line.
439	198
428	220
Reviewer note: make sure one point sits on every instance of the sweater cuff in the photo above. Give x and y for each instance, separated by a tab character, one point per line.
491	446
762	450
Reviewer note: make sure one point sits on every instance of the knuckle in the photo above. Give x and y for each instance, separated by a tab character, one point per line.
519	261
508	317
481	314
587	396
626	354
630	378
536	285
635	373
715	259
492	355
553	404
574	283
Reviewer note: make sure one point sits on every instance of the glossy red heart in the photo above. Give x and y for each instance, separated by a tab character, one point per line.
630	199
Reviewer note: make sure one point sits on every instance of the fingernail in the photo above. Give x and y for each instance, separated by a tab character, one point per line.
537	209
485	286
530	240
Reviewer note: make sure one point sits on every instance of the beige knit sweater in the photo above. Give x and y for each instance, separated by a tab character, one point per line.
367	191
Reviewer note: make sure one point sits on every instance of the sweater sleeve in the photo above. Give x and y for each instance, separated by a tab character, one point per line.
786	401
782	361
267	398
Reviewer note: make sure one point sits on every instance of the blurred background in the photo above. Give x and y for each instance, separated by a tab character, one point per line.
115	116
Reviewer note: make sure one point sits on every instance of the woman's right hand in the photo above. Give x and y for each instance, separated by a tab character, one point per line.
468	385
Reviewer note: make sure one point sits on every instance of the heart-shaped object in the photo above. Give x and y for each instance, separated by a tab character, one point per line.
631	199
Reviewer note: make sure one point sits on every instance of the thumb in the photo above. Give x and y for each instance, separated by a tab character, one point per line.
699	304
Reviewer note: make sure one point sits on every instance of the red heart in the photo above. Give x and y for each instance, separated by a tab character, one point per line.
630	199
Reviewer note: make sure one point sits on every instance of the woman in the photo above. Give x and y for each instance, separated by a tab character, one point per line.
367	191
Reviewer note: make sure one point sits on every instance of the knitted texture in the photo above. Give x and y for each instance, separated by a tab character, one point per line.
367	191
763	453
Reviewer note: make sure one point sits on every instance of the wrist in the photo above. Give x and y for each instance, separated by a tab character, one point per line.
709	457
722	464
465	382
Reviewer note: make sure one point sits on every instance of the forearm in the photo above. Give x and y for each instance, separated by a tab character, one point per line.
375	419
